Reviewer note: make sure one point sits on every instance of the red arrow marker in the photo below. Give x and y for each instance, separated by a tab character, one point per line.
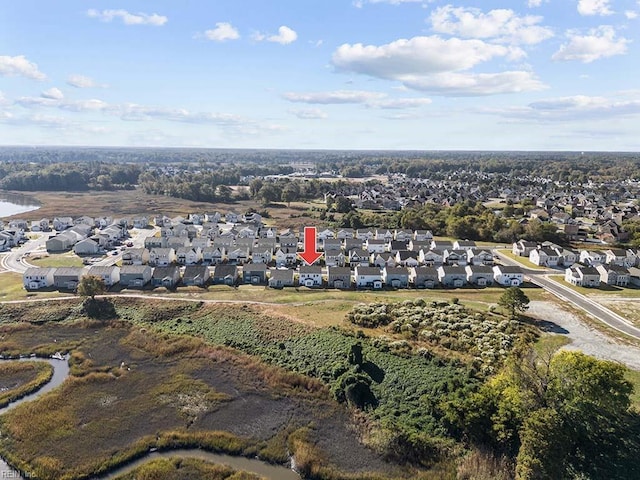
310	254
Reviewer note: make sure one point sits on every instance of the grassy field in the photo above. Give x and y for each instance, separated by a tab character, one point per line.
18	379
524	261
181	468
68	259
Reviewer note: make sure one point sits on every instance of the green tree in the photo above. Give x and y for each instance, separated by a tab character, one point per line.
90	286
343	204
268	193
514	301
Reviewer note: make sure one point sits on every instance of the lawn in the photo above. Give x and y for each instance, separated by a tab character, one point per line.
603	290
524	261
68	259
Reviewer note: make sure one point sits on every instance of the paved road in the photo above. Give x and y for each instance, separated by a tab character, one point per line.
593	308
15	260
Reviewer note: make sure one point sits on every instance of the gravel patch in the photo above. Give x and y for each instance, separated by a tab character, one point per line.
582	336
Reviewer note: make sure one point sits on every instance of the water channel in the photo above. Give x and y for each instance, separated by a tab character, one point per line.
61	372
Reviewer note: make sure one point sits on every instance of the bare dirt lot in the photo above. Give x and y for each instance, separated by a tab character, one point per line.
584	337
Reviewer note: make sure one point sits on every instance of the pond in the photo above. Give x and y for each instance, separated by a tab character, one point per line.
60	373
13	204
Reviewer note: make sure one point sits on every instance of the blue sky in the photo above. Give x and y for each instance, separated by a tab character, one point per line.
322	74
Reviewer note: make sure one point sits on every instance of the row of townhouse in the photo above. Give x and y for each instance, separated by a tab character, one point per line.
139	276
551	255
608	274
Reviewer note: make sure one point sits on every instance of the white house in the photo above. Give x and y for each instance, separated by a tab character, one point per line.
35	278
88	246
109	275
544	256
368	277
582	276
310	276
508	276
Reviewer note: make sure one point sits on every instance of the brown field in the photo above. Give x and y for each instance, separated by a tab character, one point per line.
127	203
18	379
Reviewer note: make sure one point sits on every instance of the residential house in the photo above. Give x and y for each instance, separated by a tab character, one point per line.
195	275
254	273
280	278
248	232
141	222
617	256
62	223
381	260
227	243
167	277
288	241
375	246
334	258
178	242
332	244
110	275
200	242
339	277
452	276
508	276
325	234
286	257
422	236
403	235
455	257
225	275
345	233
61	242
135	276
35	278
238	255
384	234
431	258
162	257
310	276
566	257
395	277
213	255
352	244
368	277
544	257
480	275
463	244
423	277
358	257
634	276
135	256
394	246
365	234
612	274
441	245
582	276
407	258
262	255
188	255
155	242
477	256
522	248
232	217
88	246
592	258
68	278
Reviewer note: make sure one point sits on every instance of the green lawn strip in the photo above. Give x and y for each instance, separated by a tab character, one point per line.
27	376
524	261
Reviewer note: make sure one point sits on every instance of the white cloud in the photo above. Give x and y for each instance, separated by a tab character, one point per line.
367	98
432	64
224	31
81	81
576	107
594	7
631	14
469	84
308	113
503	25
285	36
53	94
535	3
128	18
599	43
19	66
335	97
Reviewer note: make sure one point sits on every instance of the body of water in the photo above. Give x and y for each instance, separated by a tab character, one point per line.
12	204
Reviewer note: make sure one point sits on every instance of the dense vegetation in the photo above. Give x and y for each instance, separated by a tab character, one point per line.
487	338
